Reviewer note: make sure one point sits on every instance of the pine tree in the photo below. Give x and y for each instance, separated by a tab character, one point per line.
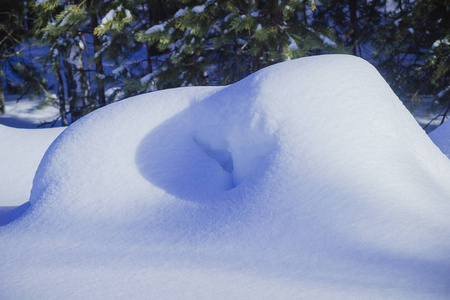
219	42
355	22
63	25
413	49
70	28
90	32
102	51
16	69
118	45
100	75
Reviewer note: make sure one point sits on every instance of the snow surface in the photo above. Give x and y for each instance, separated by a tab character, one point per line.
441	137
21	151
26	113
307	180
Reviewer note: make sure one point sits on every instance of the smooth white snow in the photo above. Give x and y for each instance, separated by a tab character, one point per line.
307	180
21	151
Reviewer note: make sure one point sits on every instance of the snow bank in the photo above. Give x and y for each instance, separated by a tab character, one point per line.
308	179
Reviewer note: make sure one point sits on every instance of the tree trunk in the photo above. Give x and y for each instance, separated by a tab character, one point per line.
61	97
149	58
72	95
147	45
353	7
98	62
81	100
2	95
85	86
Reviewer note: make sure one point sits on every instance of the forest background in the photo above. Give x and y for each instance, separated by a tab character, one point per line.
82	55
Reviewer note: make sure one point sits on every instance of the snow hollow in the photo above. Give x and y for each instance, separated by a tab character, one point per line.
306	180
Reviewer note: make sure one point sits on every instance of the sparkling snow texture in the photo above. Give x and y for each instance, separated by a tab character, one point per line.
306	180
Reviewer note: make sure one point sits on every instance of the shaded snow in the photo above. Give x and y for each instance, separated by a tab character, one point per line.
26	114
181	12
308	179
441	137
327	41
292	44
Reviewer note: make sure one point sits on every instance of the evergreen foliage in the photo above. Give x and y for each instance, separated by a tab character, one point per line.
355	22
413	49
17	71
98	52
81	34
220	42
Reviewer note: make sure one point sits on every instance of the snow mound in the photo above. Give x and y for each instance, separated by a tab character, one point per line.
21	152
307	178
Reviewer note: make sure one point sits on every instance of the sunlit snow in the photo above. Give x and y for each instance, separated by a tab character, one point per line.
307	180
21	151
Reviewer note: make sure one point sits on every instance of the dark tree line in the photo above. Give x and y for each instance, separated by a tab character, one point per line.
84	54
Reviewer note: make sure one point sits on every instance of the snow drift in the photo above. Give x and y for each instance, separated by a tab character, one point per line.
21	151
306	179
